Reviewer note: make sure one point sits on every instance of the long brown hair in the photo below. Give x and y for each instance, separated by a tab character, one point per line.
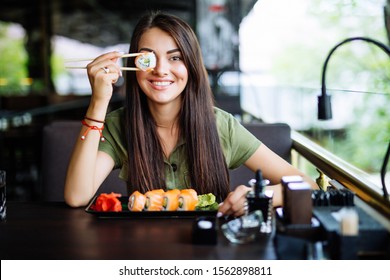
206	162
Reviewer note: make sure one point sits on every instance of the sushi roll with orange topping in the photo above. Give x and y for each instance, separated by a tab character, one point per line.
171	200
136	202
154	200
188	199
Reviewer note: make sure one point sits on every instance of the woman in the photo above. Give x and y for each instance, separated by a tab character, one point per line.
168	135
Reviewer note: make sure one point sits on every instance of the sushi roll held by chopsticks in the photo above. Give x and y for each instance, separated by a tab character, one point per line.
144	61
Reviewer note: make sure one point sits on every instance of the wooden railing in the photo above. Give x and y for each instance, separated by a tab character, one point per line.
337	169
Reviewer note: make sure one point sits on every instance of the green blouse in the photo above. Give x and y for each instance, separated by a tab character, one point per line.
238	145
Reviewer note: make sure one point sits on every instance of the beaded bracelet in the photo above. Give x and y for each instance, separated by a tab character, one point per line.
92	127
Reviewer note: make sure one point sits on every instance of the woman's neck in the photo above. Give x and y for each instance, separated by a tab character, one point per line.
168	131
166	116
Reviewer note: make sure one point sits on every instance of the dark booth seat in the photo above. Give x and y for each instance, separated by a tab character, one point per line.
59	138
277	136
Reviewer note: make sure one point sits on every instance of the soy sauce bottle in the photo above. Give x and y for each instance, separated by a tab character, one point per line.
259	199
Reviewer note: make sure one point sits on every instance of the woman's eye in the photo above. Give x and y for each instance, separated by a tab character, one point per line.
176	58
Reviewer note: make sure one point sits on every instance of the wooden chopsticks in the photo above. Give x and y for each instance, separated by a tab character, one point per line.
90	59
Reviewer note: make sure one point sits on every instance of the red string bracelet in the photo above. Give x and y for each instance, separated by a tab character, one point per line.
92	127
90	119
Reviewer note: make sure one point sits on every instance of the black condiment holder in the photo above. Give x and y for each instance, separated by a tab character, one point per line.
204	231
259	199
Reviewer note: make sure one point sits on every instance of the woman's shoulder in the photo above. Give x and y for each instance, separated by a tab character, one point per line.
116	114
224	120
222	115
115	120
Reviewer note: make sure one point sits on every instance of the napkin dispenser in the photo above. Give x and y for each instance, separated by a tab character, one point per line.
299	204
296	218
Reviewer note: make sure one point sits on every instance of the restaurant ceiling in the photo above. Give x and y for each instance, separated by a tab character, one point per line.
102	22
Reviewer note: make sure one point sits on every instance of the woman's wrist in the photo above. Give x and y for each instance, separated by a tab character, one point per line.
96	112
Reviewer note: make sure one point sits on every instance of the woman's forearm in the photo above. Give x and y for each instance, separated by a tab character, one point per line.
81	183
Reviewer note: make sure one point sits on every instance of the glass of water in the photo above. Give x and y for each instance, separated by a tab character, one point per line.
244	229
3	197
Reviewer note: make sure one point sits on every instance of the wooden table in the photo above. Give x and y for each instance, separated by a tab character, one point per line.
52	230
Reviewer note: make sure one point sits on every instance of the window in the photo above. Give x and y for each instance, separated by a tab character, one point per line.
283	45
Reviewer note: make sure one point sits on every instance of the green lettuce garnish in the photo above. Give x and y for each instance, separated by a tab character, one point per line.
206	202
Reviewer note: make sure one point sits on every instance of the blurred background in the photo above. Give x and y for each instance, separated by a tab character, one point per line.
264	60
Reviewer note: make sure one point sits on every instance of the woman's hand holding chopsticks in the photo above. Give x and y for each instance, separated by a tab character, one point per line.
104	71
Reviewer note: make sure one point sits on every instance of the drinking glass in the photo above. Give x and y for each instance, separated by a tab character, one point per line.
244	229
3	197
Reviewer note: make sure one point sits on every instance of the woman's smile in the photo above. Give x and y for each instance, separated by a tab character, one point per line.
161	84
